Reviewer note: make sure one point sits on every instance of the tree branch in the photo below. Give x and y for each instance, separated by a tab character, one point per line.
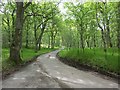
5	21
30	2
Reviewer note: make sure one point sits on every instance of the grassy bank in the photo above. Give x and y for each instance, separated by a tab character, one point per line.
26	55
94	58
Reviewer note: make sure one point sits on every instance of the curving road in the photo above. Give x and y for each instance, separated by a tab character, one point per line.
48	72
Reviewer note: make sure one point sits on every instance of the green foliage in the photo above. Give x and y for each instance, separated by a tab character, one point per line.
26	55
94	57
45	26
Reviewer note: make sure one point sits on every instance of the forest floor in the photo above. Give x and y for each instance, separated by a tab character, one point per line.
48	72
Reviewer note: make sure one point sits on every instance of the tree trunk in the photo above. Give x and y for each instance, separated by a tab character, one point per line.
39	42
118	21
36	46
82	42
40	38
103	38
108	34
102	30
48	41
81	36
9	32
26	46
27	35
35	34
53	36
87	41
17	38
109	43
94	40
52	43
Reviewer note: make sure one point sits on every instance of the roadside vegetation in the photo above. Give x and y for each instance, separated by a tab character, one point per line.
26	54
94	58
90	31
27	34
92	35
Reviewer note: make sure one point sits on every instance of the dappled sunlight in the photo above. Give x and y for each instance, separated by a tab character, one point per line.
80	81
58	72
56	66
51	57
112	84
79	41
38	70
77	81
22	78
45	74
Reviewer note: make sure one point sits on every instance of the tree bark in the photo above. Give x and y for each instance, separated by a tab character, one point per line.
15	46
81	35
109	43
53	36
40	37
9	32
94	39
39	41
102	30
17	37
52	40
35	34
27	33
49	41
108	34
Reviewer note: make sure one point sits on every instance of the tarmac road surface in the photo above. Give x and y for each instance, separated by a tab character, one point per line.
48	72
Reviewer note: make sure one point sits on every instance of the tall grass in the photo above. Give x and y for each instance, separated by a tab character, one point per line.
26	55
94	57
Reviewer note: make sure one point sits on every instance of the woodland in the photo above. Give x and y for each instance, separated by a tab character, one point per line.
87	32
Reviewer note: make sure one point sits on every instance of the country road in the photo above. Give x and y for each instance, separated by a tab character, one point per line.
48	72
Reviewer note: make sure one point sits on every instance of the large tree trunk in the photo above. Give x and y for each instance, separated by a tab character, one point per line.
16	43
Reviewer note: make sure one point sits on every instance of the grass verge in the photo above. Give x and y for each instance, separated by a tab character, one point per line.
94	58
27	55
